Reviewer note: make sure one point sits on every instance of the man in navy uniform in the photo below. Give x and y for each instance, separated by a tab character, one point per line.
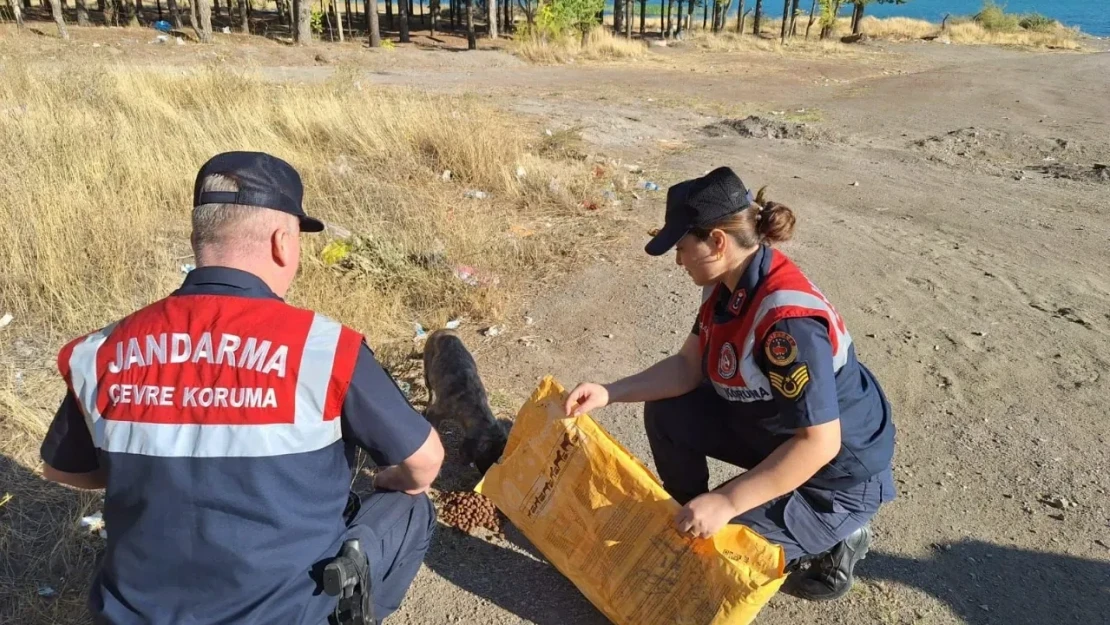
223	424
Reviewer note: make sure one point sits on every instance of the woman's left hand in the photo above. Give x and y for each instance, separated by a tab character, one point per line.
705	515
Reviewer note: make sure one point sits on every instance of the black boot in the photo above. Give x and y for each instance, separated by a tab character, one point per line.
830	576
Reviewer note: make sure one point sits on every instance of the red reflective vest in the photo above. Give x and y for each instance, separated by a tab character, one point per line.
729	347
213	376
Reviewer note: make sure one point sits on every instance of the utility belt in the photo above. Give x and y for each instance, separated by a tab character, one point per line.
347	576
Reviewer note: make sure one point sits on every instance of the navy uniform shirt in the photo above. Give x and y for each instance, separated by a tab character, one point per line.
232	540
852	395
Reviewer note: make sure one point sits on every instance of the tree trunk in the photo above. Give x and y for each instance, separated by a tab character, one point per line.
17	11
740	19
827	29
389	14
433	6
471	39
704	14
812	12
794	18
82	12
629	17
350	22
302	21
785	20
204	20
109	10
757	19
338	18
175	13
56	9
678	24
491	10
130	12
857	18
670	18
403	17
244	16
372	23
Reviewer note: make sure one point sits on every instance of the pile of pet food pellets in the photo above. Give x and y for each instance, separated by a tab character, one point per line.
468	511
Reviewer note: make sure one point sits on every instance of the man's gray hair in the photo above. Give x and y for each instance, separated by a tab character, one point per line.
221	224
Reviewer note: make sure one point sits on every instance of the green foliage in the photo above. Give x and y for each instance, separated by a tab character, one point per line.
830	9
557	18
316	22
1038	23
993	17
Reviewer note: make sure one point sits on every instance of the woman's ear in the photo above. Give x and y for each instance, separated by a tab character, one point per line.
720	240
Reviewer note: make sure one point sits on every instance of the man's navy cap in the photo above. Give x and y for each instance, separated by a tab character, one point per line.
264	181
699	203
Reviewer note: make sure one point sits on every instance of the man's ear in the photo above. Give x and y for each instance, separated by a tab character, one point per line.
281	246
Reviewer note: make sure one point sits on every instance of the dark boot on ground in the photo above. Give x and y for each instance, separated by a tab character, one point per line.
830	576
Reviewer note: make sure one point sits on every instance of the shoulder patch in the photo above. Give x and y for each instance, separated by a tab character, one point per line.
781	349
791	384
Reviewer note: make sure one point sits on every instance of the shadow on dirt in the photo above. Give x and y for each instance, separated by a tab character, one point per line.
46	558
1009	585
988	584
523	584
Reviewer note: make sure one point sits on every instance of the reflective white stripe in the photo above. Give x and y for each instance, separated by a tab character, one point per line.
83	378
753	377
166	440
308	432
315	372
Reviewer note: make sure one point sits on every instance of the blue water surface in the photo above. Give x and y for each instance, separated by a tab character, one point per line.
1091	16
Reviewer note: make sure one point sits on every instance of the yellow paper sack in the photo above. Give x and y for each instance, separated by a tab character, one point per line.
605	522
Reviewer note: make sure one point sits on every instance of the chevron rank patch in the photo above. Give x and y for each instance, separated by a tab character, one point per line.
791	384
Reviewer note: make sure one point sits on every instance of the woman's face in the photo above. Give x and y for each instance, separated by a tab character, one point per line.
701	259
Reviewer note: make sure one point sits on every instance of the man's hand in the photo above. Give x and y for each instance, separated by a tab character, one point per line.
705	515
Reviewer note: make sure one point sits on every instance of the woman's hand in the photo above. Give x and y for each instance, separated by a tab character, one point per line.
586	397
705	515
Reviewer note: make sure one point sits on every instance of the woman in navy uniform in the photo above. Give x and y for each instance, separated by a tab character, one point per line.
768	381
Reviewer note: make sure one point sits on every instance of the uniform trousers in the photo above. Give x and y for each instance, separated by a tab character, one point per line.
808	522
394	529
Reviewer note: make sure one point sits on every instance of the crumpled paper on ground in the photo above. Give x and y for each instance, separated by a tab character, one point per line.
605	522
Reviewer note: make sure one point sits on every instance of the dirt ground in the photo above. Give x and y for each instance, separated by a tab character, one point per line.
951	203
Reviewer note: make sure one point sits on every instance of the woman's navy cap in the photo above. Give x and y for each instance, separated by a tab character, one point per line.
264	181
699	203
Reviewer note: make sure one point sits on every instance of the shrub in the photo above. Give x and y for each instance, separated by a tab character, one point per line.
1038	23
994	18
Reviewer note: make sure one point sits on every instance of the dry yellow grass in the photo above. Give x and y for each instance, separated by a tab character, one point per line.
898	28
972	33
729	41
969	33
98	165
601	45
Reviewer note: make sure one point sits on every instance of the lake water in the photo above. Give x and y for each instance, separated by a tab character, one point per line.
1091	16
